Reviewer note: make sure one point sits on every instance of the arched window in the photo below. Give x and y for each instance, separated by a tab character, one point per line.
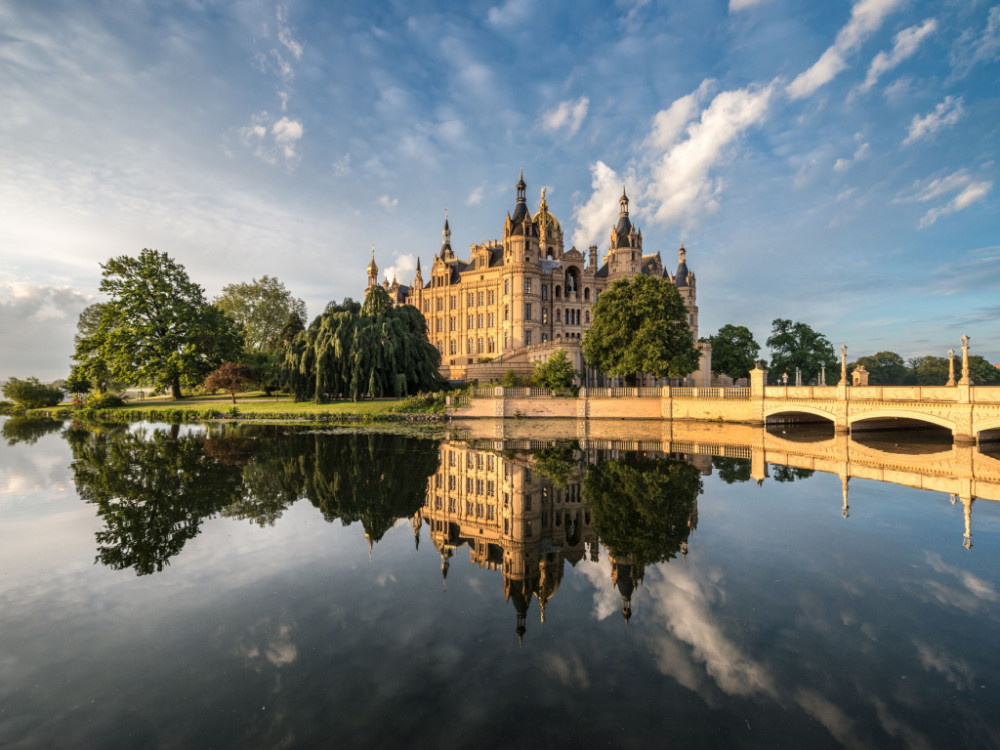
586	293
558	291
586	317
558	315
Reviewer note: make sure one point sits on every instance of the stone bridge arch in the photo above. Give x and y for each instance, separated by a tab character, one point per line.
991	426
913	415
790	410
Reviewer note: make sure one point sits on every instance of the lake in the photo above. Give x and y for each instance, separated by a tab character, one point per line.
504	585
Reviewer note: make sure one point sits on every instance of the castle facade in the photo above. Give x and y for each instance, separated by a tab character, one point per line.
518	299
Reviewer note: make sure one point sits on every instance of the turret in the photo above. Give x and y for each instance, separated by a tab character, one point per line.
372	271
446	251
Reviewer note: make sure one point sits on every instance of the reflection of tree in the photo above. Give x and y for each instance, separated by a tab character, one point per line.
28	430
644	508
374	478
732	470
556	462
789	473
151	491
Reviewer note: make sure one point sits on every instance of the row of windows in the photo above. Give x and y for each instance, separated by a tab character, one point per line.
477	510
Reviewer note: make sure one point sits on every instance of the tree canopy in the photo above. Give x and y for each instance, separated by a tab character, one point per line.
356	352
734	351
641	326
261	308
156	326
886	368
797	345
556	373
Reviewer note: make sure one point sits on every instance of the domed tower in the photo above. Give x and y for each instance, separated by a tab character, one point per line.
625	255
446	252
520	233
372	271
550	232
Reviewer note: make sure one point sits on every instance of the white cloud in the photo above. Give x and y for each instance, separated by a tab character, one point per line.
286	134
342	166
669	123
402	269
738	5
389	203
285	34
632	19
476	196
866	17
596	217
568	115
681	184
945	115
511	13
861	153
905	44
966	189
972	48
268	139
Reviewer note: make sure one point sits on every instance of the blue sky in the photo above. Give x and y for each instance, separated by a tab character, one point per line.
833	163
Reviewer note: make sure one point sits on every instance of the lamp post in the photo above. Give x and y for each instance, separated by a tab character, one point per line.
822	374
798	376
843	365
951	367
966	380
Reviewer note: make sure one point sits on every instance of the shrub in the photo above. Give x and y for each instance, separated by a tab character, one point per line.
32	394
104	401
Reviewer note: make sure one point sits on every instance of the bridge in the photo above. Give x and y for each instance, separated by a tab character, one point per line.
970	413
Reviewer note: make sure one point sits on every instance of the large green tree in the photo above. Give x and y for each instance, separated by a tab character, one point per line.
556	373
734	351
886	368
261	308
641	326
156	326
932	370
353	352
798	345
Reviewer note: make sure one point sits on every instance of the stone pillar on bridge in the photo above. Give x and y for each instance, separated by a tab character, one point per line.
758	384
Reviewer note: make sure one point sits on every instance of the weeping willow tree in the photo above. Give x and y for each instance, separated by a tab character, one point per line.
354	351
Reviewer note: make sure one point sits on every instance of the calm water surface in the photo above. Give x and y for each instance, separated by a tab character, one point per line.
269	587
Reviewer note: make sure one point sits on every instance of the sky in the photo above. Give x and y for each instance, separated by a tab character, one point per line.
832	163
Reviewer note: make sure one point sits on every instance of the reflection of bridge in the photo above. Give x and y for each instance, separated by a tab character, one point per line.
969	412
959	470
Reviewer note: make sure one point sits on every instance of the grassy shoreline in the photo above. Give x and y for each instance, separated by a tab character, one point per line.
251	407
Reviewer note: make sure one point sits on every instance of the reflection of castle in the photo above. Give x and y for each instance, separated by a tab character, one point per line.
515	519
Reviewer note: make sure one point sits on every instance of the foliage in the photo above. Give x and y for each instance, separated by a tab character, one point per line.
157	327
641	326
556	462
28	430
734	351
375	351
797	345
732	470
105	401
231	377
511	379
643	508
980	370
932	370
431	403
557	373
89	363
294	324
77	383
31	393
784	474
886	368
262	309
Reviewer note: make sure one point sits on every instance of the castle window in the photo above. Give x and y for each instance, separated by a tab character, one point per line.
452	346
469	350
479	346
586	293
492	319
470	321
471	297
492	343
545	291
527	286
527	338
558	291
439	325
545	315
586	317
427	305
506	312
481	295
544	338
452	302
558	316
453	324
527	311
480	320
491	296
506	286
440	304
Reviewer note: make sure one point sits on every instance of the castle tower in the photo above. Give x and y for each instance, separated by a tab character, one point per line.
446	252
625	255
685	282
372	271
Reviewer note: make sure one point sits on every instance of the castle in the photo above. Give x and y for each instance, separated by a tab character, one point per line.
518	299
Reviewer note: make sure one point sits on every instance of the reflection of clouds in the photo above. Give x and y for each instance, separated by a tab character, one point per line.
684	603
606	598
385	577
956	671
271	641
897	728
568	669
837	723
976	590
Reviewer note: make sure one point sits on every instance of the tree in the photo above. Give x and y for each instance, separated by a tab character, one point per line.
644	508
32	393
352	352
77	383
89	363
932	370
557	373
886	368
641	326
262	309
156	327
734	351
980	370
231	377
797	345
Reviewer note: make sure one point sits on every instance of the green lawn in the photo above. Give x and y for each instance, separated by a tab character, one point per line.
258	403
